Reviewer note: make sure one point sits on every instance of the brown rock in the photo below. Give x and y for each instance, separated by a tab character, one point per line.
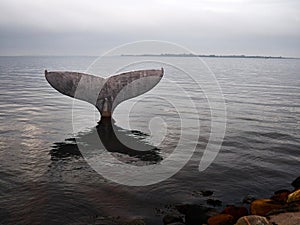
262	206
235	211
221	219
253	220
294	197
281	196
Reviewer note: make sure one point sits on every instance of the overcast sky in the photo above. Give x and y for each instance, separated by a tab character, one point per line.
90	27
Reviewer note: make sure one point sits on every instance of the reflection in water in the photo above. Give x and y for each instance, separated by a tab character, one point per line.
126	145
84	192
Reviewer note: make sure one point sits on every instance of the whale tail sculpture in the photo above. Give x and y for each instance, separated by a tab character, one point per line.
104	93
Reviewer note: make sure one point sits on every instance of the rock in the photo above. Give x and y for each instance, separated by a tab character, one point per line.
281	196
253	220
176	223
291	218
262	206
291	207
235	211
194	214
207	193
294	197
296	183
214	202
248	199
168	219
221	219
136	222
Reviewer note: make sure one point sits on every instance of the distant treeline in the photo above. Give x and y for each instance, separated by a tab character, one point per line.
212	56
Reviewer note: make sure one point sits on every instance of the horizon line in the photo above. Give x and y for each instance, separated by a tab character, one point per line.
166	55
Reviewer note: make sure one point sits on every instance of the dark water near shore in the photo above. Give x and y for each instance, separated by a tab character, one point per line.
45	180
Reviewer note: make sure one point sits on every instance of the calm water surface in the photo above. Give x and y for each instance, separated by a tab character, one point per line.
45	180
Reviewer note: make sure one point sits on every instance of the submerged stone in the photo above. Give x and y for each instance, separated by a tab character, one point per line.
214	202
194	214
170	219
207	193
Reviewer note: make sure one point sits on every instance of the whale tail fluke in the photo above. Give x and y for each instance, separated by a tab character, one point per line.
104	93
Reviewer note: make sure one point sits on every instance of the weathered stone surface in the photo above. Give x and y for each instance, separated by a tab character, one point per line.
290	218
221	219
168	219
262	206
281	196
296	183
253	220
235	211
294	197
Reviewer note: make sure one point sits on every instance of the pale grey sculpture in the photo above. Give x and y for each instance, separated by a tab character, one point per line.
104	93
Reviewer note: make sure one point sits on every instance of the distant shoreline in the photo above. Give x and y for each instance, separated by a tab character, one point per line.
209	56
163	55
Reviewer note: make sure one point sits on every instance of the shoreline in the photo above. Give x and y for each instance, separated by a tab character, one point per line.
208	56
281	208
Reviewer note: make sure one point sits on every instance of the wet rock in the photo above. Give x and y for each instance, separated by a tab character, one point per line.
262	206
253	220
296	183
294	197
291	218
207	193
281	196
248	199
194	214
169	219
291	207
214	202
176	223
235	211
221	219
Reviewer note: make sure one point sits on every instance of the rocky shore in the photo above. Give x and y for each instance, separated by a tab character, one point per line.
282	208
